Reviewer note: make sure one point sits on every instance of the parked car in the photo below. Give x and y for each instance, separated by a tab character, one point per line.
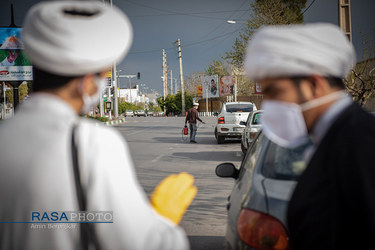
232	120
129	112
252	128
150	113
259	199
141	113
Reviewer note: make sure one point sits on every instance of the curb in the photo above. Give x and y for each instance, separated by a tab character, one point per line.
109	123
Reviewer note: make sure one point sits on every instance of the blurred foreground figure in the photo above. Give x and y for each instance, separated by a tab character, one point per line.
300	69
53	162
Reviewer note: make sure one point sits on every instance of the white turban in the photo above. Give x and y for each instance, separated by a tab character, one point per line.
73	38
299	50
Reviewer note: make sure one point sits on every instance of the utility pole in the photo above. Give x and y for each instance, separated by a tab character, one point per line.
175	86
171	83
101	103
235	89
164	68
181	77
114	84
206	98
345	21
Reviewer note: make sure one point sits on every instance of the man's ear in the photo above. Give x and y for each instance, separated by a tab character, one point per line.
319	85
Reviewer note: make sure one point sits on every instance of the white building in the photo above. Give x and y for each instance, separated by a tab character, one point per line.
130	95
133	96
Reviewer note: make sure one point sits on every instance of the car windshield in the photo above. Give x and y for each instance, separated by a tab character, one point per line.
256	119
239	107
283	163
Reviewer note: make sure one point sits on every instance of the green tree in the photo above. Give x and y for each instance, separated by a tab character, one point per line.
188	101
361	81
160	101
218	67
123	106
265	12
173	103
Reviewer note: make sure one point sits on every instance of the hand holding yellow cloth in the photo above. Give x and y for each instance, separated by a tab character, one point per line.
173	195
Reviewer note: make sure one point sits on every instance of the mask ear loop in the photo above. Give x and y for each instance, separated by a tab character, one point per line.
80	87
323	100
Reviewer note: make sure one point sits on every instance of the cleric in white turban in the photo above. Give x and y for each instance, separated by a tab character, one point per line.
299	50
59	170
300	69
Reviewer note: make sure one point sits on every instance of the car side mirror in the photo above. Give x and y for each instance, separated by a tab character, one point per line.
227	170
243	123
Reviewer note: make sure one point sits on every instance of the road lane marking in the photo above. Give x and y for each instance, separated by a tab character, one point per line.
157	158
139	131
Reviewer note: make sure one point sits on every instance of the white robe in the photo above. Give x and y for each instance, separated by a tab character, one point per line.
36	175
6	63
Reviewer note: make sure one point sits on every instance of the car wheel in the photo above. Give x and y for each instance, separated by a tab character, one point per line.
220	139
216	133
243	148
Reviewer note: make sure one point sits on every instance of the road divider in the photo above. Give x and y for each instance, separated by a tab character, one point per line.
109	123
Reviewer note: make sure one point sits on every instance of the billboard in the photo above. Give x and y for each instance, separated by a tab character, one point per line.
210	86
199	90
257	89
14	65
227	85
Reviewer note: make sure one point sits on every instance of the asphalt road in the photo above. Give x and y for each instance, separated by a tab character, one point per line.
159	149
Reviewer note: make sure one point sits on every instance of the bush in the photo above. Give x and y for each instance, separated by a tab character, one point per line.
102	119
123	106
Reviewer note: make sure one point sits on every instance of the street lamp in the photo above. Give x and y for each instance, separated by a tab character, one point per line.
232	21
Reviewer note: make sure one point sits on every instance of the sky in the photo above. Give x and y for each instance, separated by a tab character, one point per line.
201	25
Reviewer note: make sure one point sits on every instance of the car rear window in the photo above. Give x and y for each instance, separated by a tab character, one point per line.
256	119
239	107
283	163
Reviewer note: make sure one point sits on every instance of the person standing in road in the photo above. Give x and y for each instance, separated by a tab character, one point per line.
300	69
192	117
72	44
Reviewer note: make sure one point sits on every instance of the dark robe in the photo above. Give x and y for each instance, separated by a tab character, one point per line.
333	205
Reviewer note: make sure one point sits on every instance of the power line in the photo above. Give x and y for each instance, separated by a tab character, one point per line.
191	13
221	25
213	38
308	7
172	12
187	45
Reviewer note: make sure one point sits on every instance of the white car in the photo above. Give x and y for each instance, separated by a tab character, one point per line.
129	112
252	128
232	120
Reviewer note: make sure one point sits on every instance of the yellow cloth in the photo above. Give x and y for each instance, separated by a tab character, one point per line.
173	196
